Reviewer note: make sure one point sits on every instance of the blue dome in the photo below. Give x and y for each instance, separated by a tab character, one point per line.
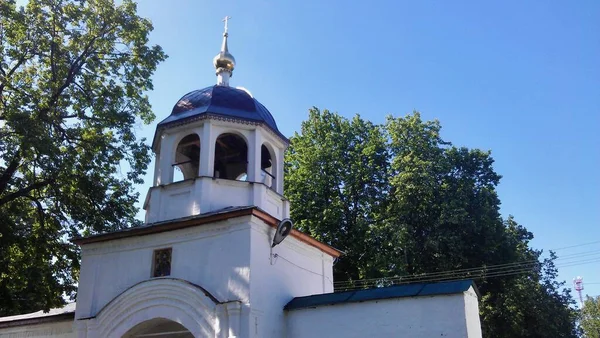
220	101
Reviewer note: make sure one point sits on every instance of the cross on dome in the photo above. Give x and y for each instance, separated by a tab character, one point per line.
226	20
224	62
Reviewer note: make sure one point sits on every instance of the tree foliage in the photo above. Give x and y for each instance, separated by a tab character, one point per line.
590	317
73	77
401	201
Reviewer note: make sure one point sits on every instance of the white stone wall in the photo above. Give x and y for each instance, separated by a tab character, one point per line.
216	257
472	314
295	270
229	259
62	329
415	317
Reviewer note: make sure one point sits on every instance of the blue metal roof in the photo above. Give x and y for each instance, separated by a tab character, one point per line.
220	101
396	291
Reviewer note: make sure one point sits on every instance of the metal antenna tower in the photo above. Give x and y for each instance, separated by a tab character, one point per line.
578	286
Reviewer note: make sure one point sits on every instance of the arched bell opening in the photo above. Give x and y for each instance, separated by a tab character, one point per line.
231	157
159	327
187	158
268	166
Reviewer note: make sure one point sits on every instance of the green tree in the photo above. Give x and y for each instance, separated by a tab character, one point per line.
73	77
426	206
343	165
590	317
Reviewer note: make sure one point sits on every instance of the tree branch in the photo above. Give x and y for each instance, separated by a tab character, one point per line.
25	191
11	72
76	65
10	171
40	209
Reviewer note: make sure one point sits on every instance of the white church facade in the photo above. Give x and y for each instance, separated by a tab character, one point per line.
217	256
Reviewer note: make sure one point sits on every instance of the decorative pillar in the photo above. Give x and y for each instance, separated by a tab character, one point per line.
207	151
166	159
279	173
221	327
234	314
157	169
254	152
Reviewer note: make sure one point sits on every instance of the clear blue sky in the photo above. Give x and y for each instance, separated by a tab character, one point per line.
521	78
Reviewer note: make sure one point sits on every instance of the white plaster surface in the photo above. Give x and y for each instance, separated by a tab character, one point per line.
229	259
414	317
472	314
68	308
59	329
296	269
214	256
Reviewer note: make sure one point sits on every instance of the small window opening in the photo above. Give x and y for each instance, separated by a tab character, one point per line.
187	158
266	166
162	263
231	157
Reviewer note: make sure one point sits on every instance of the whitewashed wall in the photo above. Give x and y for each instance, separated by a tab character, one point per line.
296	270
214	256
230	259
448	316
62	329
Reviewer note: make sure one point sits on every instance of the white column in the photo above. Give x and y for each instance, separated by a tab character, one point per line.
207	151
221	327
279	173
156	168
206	169
234	313
166	159
254	145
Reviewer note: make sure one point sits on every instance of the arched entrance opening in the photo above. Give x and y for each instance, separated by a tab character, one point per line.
159	328
158	307
231	157
187	158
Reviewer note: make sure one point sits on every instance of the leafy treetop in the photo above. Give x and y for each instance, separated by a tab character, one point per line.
73	78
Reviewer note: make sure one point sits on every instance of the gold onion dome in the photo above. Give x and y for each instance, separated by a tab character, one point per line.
224	61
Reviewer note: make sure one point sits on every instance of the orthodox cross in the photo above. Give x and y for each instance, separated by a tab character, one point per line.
226	20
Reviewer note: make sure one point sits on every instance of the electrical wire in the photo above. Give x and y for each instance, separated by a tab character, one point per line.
575	246
483	274
490	268
303	268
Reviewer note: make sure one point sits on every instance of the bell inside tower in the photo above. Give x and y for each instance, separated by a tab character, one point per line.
187	158
231	157
266	166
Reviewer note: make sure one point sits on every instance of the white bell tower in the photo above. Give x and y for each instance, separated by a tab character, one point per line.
219	148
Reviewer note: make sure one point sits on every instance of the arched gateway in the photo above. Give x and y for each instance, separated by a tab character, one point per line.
158	307
159	327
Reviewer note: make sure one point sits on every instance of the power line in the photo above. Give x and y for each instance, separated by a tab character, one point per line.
575	246
586	253
485	271
449	279
475	273
488	268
